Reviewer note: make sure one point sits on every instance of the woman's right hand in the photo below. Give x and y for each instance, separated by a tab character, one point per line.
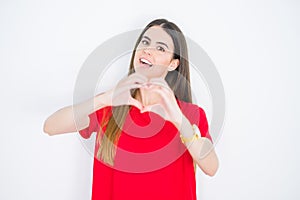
120	94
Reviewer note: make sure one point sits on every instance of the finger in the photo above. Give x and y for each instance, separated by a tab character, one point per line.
167	90
133	85
165	94
136	80
135	103
133	78
145	109
161	86
126	87
159	81
149	108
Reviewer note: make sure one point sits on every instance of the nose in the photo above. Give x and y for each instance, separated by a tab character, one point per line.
147	50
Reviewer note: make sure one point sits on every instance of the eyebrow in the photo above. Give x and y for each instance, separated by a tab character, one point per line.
162	43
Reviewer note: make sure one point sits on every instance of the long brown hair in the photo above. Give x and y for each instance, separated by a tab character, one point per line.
178	80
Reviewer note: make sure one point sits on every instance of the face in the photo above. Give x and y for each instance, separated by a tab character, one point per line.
154	54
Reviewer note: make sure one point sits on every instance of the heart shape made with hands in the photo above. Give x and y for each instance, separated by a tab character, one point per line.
153	85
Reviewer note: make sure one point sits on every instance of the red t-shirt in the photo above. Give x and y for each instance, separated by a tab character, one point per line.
150	162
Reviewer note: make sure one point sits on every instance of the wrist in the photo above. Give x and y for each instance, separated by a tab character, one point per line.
191	137
101	100
179	121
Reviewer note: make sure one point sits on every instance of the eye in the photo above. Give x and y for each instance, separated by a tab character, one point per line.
144	42
159	48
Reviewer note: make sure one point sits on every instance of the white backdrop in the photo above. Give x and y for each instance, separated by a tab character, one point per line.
254	45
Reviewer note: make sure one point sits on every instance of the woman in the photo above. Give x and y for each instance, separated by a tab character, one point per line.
146	144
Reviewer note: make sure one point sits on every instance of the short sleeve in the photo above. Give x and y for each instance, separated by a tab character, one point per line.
96	118
201	122
93	126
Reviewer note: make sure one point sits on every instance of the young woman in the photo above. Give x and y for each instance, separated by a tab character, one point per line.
146	145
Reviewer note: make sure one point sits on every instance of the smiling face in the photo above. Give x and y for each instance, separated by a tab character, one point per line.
154	54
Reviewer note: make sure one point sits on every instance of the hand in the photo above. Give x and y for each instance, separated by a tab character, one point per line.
167	104
120	94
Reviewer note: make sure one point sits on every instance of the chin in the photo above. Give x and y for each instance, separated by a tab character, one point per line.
149	73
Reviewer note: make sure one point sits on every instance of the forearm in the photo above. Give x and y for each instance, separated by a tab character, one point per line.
74	117
201	150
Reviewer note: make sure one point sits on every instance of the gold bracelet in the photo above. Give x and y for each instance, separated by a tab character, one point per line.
190	139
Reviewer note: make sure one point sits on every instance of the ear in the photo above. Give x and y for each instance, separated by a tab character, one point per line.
173	65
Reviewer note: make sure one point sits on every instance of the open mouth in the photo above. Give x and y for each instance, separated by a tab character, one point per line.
146	63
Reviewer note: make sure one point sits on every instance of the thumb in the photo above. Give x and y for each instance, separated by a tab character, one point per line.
148	108
145	109
135	103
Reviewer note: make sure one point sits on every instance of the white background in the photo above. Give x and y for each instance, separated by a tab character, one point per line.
254	45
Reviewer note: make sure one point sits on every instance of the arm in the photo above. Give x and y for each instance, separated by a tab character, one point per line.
62	121
201	150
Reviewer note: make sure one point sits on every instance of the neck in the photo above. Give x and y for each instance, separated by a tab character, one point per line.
146	97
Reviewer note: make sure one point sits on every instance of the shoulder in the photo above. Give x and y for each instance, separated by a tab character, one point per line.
102	113
188	106
190	110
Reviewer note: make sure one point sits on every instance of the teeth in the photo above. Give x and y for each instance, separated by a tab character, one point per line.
146	61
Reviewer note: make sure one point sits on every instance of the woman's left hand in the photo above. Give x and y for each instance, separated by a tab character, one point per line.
167	106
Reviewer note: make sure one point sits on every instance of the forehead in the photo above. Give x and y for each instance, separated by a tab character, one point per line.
158	34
